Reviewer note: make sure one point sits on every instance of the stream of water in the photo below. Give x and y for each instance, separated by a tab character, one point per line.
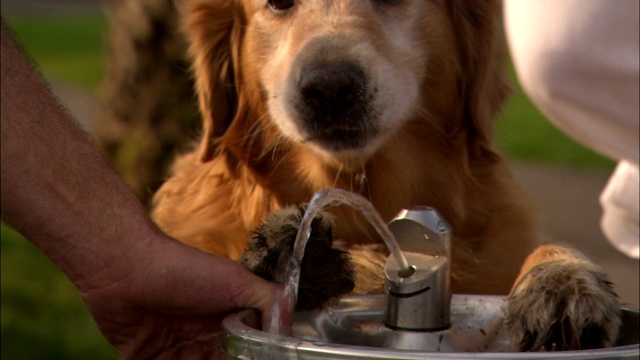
284	307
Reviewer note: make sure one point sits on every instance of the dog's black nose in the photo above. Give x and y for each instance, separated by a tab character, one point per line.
332	88
334	104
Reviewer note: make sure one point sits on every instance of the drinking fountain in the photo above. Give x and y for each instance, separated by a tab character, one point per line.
416	318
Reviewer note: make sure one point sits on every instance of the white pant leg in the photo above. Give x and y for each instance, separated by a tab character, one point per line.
578	60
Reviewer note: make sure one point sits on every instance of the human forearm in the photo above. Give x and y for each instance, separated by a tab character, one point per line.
151	296
49	171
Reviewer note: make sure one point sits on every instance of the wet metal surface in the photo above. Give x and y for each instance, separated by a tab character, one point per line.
353	329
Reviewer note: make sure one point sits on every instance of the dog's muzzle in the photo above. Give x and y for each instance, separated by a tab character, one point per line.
334	104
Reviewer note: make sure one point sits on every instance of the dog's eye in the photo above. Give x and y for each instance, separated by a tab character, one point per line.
281	5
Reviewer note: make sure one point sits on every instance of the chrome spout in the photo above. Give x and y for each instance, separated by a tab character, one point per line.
420	301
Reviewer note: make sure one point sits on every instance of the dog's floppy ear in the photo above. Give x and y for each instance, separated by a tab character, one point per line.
214	30
484	84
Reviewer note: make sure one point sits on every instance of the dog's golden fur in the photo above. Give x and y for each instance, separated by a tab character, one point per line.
442	156
436	150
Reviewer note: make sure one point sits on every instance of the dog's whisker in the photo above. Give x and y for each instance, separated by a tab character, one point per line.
431	121
254	130
274	151
364	181
335	180
281	157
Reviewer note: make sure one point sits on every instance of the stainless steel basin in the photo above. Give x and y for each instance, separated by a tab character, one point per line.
354	329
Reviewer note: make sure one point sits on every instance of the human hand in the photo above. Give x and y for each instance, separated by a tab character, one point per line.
167	300
151	296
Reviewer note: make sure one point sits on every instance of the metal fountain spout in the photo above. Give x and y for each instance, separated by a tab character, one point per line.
421	300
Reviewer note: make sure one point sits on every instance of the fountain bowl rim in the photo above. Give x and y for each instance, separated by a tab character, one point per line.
235	325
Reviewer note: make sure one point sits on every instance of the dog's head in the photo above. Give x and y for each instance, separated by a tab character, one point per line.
344	76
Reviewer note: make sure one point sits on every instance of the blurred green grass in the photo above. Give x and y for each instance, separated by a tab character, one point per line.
65	48
42	313
43	316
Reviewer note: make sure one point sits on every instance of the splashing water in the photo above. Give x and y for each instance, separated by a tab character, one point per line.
284	307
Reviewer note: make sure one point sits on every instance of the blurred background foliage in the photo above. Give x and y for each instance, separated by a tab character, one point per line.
43	316
65	48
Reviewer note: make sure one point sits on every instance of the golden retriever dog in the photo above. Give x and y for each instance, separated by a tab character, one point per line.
391	99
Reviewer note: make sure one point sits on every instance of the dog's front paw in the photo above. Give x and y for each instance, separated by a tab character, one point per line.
326	269
563	305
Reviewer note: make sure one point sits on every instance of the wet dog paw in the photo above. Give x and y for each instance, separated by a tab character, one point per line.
326	269
563	305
